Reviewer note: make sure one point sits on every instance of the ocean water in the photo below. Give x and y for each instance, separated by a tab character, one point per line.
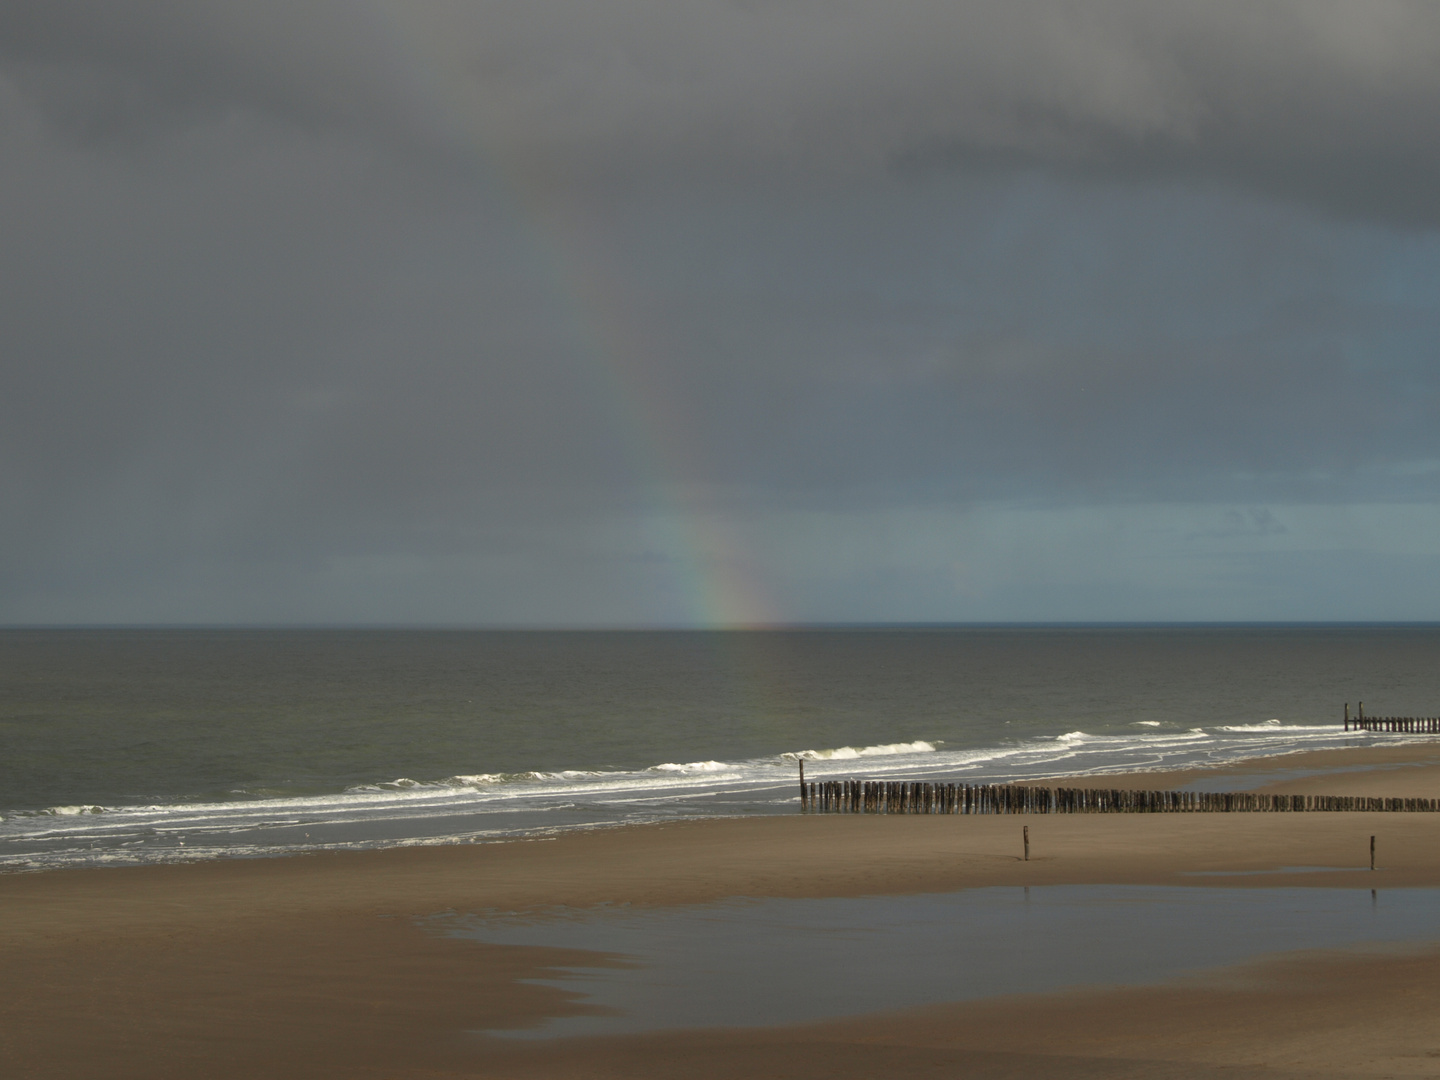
125	746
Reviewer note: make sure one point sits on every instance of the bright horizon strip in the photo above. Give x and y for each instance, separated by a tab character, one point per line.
708	560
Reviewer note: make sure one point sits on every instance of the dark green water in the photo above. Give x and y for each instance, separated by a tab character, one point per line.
120	719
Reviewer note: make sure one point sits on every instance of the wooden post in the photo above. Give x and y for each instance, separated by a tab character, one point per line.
1372	853
1027	846
1347	716
802	784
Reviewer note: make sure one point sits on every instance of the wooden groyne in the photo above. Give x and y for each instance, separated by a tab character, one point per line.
919	797
1400	725
924	797
1403	725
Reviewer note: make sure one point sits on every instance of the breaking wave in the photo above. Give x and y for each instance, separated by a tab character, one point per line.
850	753
407	811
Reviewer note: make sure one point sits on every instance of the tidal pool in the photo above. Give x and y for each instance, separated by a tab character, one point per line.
743	962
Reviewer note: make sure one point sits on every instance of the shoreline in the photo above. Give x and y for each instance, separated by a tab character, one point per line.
1343	771
172	970
78	844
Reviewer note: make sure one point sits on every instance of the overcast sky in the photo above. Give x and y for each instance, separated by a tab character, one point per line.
685	312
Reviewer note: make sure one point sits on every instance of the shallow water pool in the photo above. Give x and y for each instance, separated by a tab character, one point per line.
747	962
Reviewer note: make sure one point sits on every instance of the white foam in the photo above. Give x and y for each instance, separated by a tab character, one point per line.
487	805
1147	723
1272	726
849	753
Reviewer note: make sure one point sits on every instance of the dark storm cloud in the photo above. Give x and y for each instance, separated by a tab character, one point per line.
99	68
1328	101
433	309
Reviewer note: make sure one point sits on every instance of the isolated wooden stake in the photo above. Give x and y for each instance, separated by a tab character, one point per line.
1027	847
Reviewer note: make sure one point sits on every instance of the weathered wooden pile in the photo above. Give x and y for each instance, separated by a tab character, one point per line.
923	797
917	797
1399	725
1403	725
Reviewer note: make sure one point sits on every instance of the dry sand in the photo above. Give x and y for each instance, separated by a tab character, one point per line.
317	966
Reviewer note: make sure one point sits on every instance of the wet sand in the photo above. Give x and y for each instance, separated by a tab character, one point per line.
317	966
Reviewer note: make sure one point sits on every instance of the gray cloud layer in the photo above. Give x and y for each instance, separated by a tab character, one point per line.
1319	99
483	290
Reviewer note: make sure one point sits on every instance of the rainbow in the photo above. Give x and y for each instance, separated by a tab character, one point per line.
718	583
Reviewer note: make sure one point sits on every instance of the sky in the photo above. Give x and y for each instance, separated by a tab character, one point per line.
718	312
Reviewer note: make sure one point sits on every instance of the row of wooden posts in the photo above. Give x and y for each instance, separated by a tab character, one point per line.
917	797
1402	725
923	797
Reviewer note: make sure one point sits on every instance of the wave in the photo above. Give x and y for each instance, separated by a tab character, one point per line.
477	780
406	810
1271	726
849	753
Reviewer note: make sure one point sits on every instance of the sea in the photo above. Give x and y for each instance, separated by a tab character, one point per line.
123	746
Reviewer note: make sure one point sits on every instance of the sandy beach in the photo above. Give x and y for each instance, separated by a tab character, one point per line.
319	965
